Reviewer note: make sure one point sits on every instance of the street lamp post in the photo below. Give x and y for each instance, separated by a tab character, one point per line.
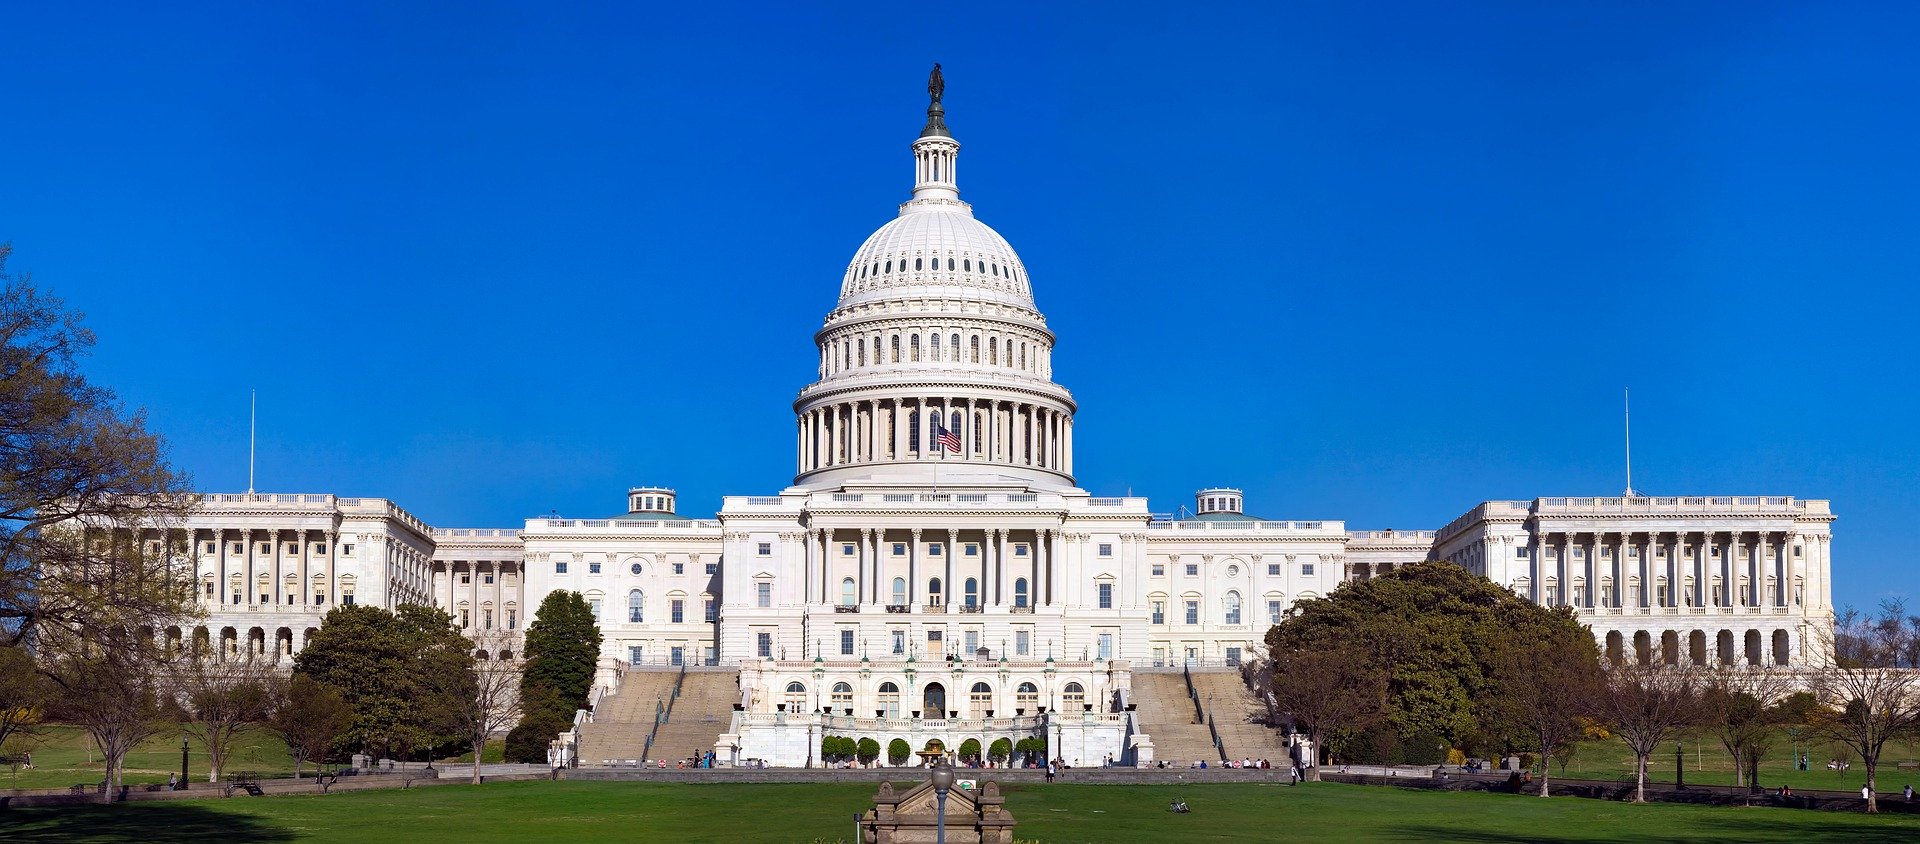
942	783
183	762
1679	767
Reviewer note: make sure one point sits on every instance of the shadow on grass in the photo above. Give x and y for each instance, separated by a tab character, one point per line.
159	822
1826	827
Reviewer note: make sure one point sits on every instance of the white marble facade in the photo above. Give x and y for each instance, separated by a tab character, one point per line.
934	535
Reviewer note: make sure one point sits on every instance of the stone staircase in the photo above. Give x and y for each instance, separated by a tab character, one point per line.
1238	715
1167	716
622	720
703	712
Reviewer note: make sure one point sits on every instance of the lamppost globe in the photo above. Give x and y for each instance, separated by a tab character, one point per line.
942	776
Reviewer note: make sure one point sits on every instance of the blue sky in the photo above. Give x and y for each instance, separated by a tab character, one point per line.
1373	264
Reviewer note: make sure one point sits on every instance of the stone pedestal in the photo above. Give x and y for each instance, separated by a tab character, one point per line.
908	817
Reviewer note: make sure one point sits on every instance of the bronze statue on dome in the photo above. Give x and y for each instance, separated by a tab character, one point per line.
936	84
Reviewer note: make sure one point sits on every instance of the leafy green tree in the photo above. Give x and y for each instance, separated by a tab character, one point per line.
1546	676
563	649
999	750
1030	748
898	751
970	750
404	674
837	749
308	715
867	751
527	741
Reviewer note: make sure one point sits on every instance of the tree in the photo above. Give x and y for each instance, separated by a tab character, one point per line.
970	750
90	512
494	703
1740	705
216	698
837	749
406	674
1030	748
867	751
563	649
1546	677
114	695
898	751
1644	703
1326	689
1873	704
23	694
999	750
308	715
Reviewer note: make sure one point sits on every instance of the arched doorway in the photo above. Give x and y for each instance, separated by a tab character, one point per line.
934	701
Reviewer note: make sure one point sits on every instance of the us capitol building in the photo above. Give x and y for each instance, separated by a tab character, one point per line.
934	566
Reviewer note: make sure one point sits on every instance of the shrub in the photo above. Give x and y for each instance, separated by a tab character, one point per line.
970	749
867	751
527	741
1000	750
898	751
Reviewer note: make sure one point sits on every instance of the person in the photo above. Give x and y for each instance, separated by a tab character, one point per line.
1866	792
1907	793
1293	775
173	783
1050	770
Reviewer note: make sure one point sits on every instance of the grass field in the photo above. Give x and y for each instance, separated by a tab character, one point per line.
63	755
1708	763
1055	814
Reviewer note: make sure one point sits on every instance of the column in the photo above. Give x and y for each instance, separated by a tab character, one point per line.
814	572
913	566
1000	568
946	578
1066	452
1042	566
246	579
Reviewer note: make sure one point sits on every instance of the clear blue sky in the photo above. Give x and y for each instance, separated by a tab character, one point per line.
1373	265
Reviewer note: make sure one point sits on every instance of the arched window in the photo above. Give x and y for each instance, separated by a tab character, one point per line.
889	266
1233	608
636	606
956	347
949	264
861	344
993	351
918	264
1073	698
899	591
934	343
913	345
796	697
1027	698
973	592
980	699
933	592
974	354
889	700
995	268
896	348
842	697
1020	592
846	592
966	265
913	430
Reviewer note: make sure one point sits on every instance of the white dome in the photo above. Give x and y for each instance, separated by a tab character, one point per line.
938	251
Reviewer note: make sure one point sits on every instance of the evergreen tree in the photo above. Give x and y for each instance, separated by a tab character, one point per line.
562	654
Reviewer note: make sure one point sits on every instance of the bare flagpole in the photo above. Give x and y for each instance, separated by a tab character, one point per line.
1626	404
253	417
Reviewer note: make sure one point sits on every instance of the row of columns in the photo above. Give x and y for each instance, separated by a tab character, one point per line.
1752	647
995	572
992	349
872	430
478	593
276	565
1742	554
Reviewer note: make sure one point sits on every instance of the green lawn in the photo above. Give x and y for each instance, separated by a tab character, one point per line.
1708	763
1057	814
63	755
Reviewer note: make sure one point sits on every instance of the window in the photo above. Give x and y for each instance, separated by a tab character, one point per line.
843	695
1233	571
1233	656
973	643
636	607
513	619
1273	612
679	568
1233	607
678	610
1020	592
899	549
1306	569
796	697
635	568
973	592
487	578
1027	697
593	568
346	598
1106	549
1193	569
763	594
1193	612
846	592
763	644
933	592
593	604
766	549
1273	569
466	577
465	620
1022	642
713	568
1159	570
677	655
636	654
899	591
933	549
1106	646
973	550
1020	550
209	590
1106	595
980	699
846	549
709	611
889	700
846	642
560	567
899	642
1159	612
1073	697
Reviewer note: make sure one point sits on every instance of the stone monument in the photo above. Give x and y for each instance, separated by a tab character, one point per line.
909	817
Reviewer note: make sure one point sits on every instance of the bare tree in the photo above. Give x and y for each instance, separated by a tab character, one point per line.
1329	688
494	702
216	698
1739	703
1546	679
23	694
114	694
1645	703
1874	701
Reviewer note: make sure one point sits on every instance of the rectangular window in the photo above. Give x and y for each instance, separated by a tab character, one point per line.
763	644
1519	552
679	568
713	568
209	548
678	610
763	594
466	577
846	642
846	549
1579	553
1106	550
1159	612
560	567
1193	612
1106	646
209	590
678	654
347	549
1106	596
1306	569
973	550
347	599
636	655
766	549
899	642
513	619
593	568
1273	569
973	643
1159	570
1022	642
1019	550
709	611
1273	612
1193	569
933	549
487	578
899	549
594	606
486	619
1233	656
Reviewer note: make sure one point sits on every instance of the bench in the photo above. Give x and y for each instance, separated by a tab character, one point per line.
246	781
1908	765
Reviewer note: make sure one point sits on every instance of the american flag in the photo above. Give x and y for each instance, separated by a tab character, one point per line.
947	439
